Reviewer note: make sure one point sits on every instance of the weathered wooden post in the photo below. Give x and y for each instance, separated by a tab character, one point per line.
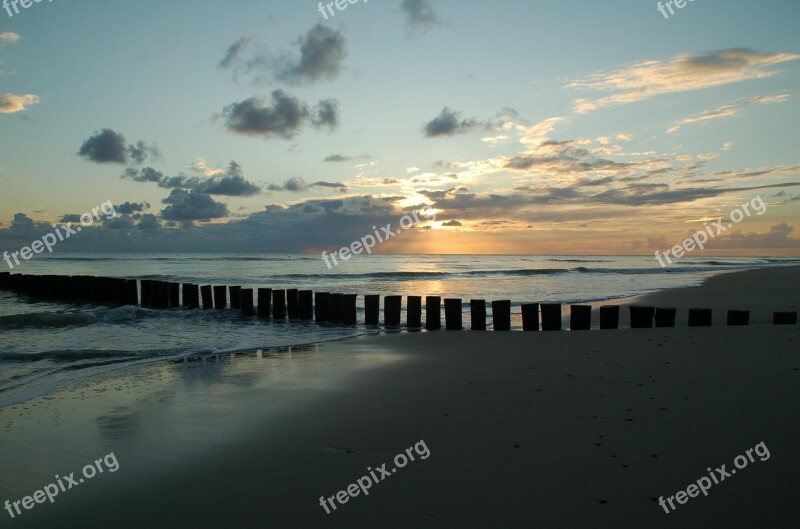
433	313
452	314
220	297
665	317
642	317
477	314
349	309
501	315
264	302
292	303
530	317
580	317
551	316
372	309
208	298
784	318
305	305
246	297
609	317
236	297
414	312
738	318
279	304
392	307
321	301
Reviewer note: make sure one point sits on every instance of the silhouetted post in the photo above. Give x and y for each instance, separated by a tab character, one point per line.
580	317
292	303
208	298
452	314
264	302
372	309
784	318
321	301
246	298
530	317
305	305
699	317
477	314
236	297
145	284
162	294
551	316
642	317
392	307
433	313
220	297
738	318
349	309
665	317
191	296
131	292
501	315
414	312
609	317
279	304
335	308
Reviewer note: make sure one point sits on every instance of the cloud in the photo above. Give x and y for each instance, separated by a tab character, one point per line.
778	236
201	166
12	103
683	73
126	208
234	51
420	15
452	224
189	206
731	109
149	222
336	158
231	182
322	54
284	116
109	146
449	123
297	185
9	36
319	56
22	222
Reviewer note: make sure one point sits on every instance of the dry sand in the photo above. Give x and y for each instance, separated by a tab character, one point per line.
559	429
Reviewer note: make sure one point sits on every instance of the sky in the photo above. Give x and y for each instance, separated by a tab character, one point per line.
569	127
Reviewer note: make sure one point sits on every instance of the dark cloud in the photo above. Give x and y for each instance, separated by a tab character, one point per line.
420	15
189	206
109	146
70	217
296	185
452	223
284	116
320	56
337	158
127	208
449	123
778	236
22	222
123	222
149	222
231	183
106	146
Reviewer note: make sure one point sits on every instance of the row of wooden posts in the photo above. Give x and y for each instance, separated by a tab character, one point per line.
338	308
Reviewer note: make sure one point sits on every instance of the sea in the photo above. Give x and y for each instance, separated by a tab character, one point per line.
45	345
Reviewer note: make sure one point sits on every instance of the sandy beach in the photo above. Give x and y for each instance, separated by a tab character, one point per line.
562	429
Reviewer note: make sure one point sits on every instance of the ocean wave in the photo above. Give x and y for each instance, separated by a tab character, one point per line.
67	319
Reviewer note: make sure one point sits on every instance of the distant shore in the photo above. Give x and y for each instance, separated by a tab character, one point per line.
564	429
